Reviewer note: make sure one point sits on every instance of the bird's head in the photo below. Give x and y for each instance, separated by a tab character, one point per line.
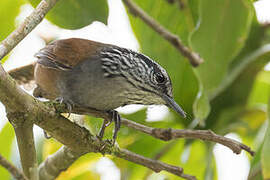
152	82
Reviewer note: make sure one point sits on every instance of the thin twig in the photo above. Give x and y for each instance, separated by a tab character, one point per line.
154	165
169	134
26	27
16	173
193	57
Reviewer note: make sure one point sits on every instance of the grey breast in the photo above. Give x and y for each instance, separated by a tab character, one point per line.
86	85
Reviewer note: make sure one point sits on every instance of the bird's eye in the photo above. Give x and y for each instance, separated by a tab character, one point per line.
159	78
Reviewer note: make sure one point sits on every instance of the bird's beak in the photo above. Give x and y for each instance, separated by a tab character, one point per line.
172	104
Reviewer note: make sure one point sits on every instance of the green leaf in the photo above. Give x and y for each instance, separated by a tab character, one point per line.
260	91
6	138
74	14
255	169
9	9
231	102
201	106
221	34
265	156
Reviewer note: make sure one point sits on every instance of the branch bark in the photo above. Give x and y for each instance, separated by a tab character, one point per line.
26	145
193	57
16	173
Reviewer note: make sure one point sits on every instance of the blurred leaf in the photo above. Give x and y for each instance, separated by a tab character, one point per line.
210	171
201	106
9	9
74	14
6	138
82	169
184	81
193	166
261	90
249	116
221	34
234	97
50	146
255	169
265	156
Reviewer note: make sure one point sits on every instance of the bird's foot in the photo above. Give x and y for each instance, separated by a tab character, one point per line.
69	104
114	116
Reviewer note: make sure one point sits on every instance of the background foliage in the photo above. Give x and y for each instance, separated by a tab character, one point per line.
229	92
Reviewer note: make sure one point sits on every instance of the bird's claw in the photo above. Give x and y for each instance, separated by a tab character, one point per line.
69	104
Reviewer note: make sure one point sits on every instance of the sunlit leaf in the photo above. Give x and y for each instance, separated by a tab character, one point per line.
261	90
50	146
82	169
6	138
9	9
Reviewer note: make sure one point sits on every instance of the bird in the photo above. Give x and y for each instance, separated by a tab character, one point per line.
85	73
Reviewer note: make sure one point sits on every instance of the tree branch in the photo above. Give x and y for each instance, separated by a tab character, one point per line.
16	173
58	162
25	139
193	57
26	27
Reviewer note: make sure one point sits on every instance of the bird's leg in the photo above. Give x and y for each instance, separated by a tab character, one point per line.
117	124
114	116
105	124
69	104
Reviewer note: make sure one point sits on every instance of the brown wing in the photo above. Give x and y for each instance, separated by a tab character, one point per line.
65	54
